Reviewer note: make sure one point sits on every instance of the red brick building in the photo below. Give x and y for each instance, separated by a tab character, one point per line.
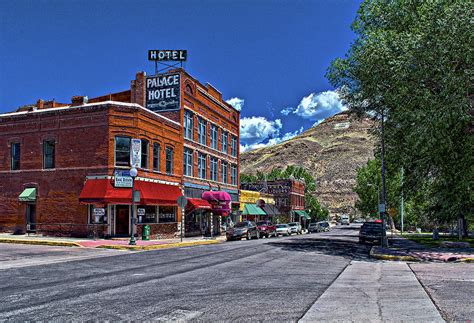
67	162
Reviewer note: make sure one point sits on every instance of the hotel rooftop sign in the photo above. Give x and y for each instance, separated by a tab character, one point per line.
167	55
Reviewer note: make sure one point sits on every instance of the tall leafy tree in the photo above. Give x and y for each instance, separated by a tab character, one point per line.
412	65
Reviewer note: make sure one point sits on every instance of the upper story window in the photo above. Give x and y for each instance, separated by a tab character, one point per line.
224	141
145	153
48	153
233	174
15	156
214	169
169	160
202	166
233	146
188	124
156	156
188	162
202	131
224	176
122	151
214	140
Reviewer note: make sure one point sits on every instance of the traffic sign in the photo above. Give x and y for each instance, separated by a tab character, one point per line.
182	201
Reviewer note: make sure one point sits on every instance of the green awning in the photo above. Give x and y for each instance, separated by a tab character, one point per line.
28	195
252	209
303	214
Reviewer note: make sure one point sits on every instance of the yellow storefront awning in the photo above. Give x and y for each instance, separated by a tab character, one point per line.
28	195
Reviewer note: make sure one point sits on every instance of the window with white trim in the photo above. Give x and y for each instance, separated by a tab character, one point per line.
188	125
188	162
202	166
214	172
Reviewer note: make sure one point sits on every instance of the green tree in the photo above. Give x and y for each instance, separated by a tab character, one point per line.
412	64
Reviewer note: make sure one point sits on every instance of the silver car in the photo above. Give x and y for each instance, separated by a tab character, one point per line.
283	230
295	227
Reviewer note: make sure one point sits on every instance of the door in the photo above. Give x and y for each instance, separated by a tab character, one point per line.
122	220
31	217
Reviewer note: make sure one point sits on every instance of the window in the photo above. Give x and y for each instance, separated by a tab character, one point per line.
122	151
233	174
224	176
169	160
188	125
214	137
99	219
48	154
188	162
202	165
149	212
145	153
233	146
15	156
202	131
214	169
225	141
156	156
166	214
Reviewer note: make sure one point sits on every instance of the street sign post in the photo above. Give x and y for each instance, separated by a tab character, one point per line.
182	201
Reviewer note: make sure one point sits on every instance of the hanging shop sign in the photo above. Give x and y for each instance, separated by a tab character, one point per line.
163	92
136	153
167	55
122	178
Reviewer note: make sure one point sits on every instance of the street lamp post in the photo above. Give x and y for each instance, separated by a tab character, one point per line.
133	174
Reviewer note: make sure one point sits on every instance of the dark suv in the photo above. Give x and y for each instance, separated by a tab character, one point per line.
370	231
244	229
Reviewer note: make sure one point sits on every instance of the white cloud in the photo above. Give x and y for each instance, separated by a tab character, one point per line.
254	130
237	103
272	141
317	106
287	111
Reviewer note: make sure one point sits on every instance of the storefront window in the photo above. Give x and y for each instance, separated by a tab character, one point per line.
147	214
167	214
97	215
122	151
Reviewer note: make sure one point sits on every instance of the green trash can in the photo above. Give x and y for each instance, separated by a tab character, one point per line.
146	232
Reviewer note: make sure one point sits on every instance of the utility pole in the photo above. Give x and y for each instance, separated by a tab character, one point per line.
383	204
401	203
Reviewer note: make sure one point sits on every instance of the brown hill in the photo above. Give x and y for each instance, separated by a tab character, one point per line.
330	151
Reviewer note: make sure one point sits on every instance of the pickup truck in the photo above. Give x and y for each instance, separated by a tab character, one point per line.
266	229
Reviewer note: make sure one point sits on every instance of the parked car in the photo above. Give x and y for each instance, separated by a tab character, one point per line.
313	227
295	227
244	229
266	229
345	219
283	230
324	226
370	231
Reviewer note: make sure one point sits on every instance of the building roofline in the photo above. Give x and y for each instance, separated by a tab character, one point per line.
116	103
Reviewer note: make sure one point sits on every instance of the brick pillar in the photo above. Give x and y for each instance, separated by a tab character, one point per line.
138	89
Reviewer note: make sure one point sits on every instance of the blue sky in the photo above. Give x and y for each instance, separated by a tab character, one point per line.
273	55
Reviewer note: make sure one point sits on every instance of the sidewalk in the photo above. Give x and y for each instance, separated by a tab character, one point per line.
107	243
402	249
374	292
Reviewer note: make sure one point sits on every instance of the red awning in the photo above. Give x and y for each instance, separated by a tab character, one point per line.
194	203
102	191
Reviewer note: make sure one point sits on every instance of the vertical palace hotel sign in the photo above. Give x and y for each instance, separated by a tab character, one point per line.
163	90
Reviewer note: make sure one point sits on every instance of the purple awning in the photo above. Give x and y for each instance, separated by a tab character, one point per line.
219	200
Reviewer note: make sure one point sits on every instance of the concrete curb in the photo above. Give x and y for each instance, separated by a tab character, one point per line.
469	260
382	256
160	246
41	242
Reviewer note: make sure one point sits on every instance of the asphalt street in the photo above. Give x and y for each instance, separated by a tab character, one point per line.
266	279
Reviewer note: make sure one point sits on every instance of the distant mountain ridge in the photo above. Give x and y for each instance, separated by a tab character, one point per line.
331	151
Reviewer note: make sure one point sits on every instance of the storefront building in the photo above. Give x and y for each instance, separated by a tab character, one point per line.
65	167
